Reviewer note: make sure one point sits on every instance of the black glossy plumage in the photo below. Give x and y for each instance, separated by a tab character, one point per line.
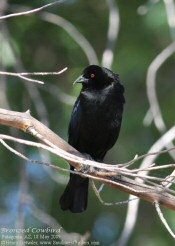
94	126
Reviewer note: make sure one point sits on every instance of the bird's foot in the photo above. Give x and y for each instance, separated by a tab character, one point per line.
88	169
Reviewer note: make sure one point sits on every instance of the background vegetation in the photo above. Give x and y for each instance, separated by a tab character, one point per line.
32	44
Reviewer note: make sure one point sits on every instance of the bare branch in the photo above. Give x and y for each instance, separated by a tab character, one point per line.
155	150
29	143
170	9
162	218
108	203
21	75
151	85
71	30
34	73
132	210
98	171
169	180
28	12
130	221
113	29
74	33
151	77
23	189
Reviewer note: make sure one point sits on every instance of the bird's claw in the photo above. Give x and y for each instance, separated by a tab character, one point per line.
87	169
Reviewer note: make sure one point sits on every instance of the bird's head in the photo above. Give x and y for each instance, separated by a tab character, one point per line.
96	77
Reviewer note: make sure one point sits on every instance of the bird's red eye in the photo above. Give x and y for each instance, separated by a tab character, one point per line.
92	75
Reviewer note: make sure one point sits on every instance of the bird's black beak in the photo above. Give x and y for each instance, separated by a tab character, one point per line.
81	79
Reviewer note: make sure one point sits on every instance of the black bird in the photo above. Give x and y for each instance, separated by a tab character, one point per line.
94	126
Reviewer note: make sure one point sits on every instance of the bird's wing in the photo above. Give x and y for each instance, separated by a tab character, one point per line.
74	125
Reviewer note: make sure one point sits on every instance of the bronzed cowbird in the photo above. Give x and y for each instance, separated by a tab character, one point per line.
94	126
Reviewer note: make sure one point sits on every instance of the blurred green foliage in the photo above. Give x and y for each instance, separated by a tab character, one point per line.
42	46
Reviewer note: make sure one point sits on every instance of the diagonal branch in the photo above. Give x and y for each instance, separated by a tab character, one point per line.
97	171
29	12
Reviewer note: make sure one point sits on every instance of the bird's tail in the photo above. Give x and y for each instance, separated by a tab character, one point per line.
75	195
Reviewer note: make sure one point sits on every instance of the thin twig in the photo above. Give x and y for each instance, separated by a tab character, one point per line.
169	180
28	12
34	73
21	75
139	191
155	168
58	146
57	151
109	203
7	146
162	218
156	149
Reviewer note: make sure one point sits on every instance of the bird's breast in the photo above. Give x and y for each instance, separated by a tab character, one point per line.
99	120
101	109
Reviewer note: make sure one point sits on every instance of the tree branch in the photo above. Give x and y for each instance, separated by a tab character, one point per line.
28	12
94	170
